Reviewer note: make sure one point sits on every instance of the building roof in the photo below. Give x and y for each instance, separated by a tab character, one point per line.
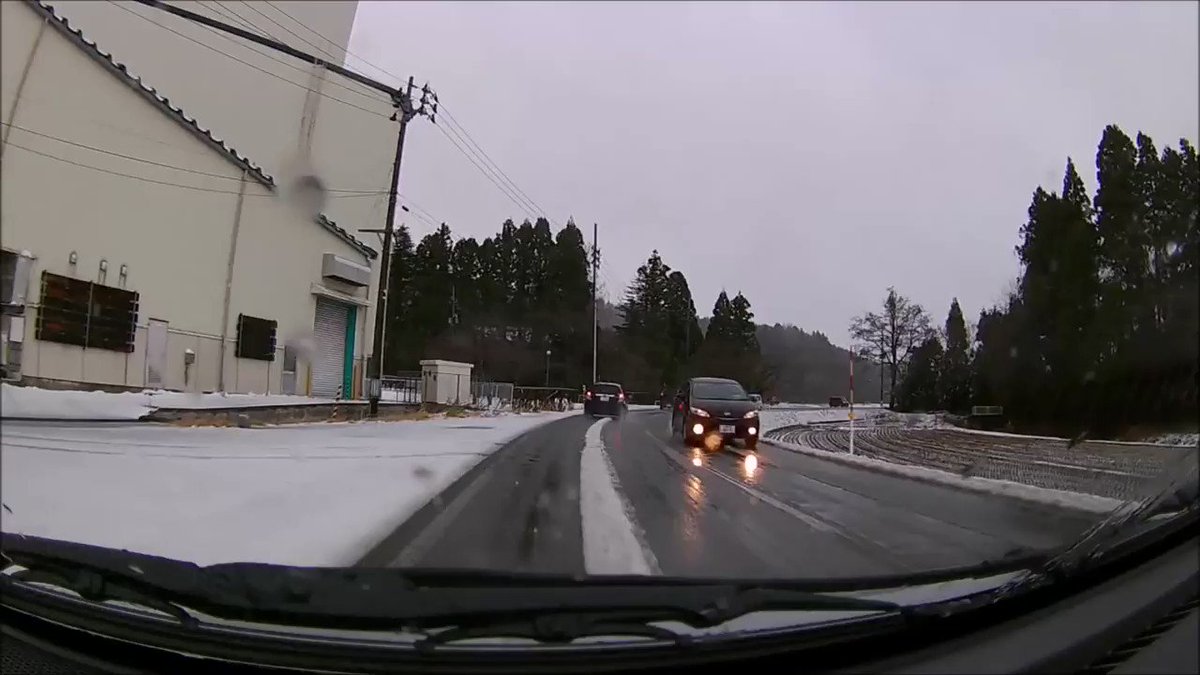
63	25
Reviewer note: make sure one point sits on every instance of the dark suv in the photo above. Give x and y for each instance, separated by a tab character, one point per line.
710	407
604	398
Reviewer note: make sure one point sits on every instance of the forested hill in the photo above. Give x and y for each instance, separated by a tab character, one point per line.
806	367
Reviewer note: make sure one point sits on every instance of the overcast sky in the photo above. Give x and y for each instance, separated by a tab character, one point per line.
806	154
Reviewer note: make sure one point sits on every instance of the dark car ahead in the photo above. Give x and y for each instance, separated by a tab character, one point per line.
604	398
712	407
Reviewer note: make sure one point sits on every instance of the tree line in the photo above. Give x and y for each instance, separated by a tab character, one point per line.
1101	331
518	306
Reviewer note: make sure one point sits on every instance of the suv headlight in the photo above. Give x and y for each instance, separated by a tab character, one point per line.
699	413
752	413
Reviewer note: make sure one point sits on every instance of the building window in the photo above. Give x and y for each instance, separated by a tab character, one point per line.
8	274
255	338
78	312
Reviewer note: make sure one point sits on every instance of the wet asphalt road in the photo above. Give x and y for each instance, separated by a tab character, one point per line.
794	516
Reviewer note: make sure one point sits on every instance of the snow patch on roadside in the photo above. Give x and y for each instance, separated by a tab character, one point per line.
35	403
1174	440
610	541
1060	498
56	404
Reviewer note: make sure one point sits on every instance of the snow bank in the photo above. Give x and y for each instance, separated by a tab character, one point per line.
319	494
1060	498
611	544
1181	440
773	418
34	403
1176	440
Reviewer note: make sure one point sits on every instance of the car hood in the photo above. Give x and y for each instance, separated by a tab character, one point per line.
718	408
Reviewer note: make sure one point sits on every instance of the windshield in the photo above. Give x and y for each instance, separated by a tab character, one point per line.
484	286
719	391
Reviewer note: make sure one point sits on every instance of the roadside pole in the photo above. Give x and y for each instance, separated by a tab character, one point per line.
405	112
595	318
851	400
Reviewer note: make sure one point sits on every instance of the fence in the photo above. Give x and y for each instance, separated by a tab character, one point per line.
406	387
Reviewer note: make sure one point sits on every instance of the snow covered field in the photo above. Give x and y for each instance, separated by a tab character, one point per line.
319	494
35	403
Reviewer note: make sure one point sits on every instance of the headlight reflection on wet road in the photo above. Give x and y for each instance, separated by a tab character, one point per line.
750	465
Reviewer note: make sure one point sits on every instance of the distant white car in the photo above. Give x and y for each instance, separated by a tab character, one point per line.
758	401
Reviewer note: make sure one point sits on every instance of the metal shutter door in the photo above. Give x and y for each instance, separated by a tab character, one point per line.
330	329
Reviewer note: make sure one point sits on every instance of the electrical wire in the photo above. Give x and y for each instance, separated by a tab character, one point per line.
475	163
145	179
465	136
246	63
347	49
450	117
225	13
303	71
324	52
169	166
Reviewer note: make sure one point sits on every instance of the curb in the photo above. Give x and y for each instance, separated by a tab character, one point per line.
1029	494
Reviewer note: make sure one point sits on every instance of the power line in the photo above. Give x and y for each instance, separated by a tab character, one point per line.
246	63
226	13
136	177
474	163
168	166
348	52
525	204
465	136
450	117
322	51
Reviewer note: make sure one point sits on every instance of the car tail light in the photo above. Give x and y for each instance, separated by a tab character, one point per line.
588	395
621	396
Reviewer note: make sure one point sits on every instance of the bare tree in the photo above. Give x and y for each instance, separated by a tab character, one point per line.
892	335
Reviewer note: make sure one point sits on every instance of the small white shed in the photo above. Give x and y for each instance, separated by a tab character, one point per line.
447	382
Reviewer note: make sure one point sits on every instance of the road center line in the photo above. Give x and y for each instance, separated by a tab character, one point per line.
611	544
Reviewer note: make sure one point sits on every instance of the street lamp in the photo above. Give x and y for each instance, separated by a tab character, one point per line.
547	367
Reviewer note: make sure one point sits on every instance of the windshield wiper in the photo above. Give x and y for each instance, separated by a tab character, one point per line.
385	598
1173	491
565	627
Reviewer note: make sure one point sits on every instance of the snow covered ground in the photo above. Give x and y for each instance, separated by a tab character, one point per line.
35	403
318	494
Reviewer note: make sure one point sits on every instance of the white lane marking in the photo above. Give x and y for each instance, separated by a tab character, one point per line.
611	544
766	498
420	545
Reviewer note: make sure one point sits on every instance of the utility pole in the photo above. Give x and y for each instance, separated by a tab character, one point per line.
405	111
595	317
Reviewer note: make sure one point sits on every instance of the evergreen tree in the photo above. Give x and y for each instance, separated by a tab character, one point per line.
954	376
919	389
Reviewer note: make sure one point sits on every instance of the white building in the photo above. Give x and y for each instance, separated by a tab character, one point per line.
141	250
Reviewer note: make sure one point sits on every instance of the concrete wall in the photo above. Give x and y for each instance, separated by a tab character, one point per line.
174	242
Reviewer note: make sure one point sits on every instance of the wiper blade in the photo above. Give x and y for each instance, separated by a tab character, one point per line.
95	587
565	627
383	598
1174	490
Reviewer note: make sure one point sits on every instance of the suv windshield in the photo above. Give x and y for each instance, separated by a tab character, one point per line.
601	388
719	391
